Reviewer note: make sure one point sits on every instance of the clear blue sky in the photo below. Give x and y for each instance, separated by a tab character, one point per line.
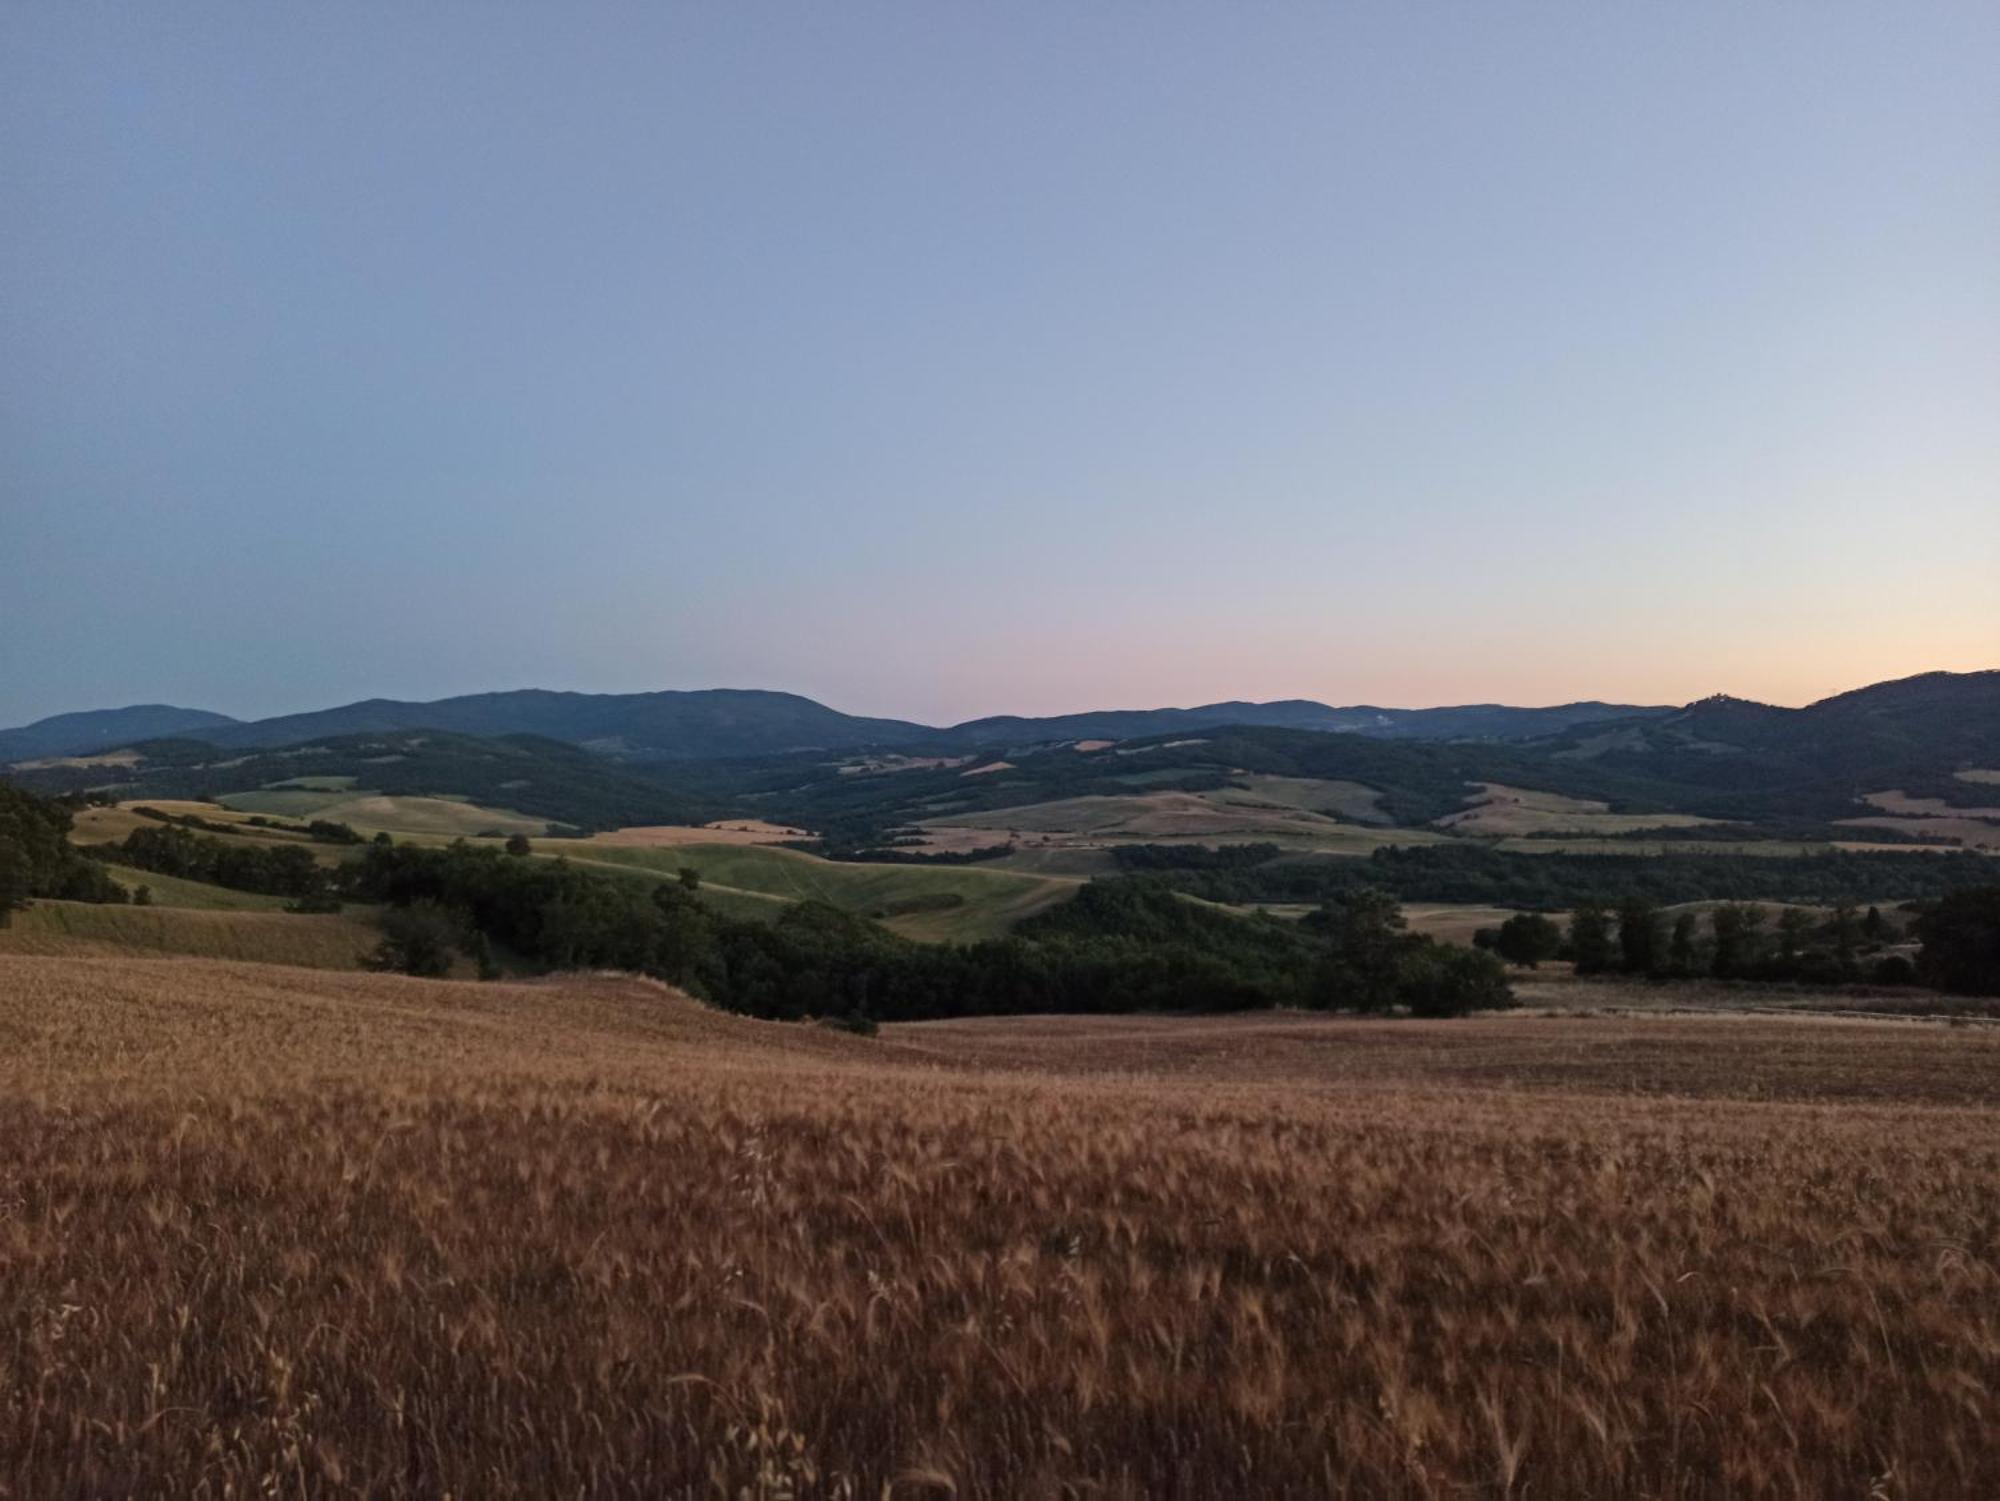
940	360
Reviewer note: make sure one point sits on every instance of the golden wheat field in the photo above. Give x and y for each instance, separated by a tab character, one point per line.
274	1232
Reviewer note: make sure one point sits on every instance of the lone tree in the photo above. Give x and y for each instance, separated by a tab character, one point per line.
690	878
1961	937
1364	932
1639	936
1527	938
1736	936
416	940
1590	939
1846	936
13	880
1794	925
1680	948
517	844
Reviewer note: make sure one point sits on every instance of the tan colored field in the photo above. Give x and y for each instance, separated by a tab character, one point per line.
373	811
1456	922
1989	776
988	769
111	825
1973	833
107	825
948	839
270	1232
1496	811
669	836
1902	804
1086	747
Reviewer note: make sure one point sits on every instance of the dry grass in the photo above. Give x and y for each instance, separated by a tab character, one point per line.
1902	804
1292	812
105	758
669	836
1497	811
271	1232
1974	831
103	825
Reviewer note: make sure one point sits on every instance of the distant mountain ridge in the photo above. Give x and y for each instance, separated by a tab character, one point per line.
1932	719
1459	722
672	725
722	722
97	730
1912	733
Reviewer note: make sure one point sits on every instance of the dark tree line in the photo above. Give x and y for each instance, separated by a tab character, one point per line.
271	869
1508	878
37	859
1959	935
1127	945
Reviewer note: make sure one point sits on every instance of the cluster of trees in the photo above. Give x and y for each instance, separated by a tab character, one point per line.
323	830
1637	939
1509	878
1961	938
273	869
188	820
1959	935
1125	945
37	859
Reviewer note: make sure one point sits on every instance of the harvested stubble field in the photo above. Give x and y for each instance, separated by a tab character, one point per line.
268	1231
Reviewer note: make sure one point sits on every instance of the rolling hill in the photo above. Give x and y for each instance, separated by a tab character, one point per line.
712	722
546	780
105	729
605	761
1728	754
1462	722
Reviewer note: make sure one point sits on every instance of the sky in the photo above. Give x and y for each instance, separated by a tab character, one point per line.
937	361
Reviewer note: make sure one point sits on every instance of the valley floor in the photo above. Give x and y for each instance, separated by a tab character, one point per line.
272	1230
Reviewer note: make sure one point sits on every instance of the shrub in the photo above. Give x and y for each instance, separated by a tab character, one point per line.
416	940
1439	980
1527	938
1961	942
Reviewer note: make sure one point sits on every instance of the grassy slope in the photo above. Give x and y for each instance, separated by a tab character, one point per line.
994	900
172	891
370	812
79	929
1496	811
1228	816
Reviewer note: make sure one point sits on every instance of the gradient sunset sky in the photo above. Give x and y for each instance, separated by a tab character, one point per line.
942	360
